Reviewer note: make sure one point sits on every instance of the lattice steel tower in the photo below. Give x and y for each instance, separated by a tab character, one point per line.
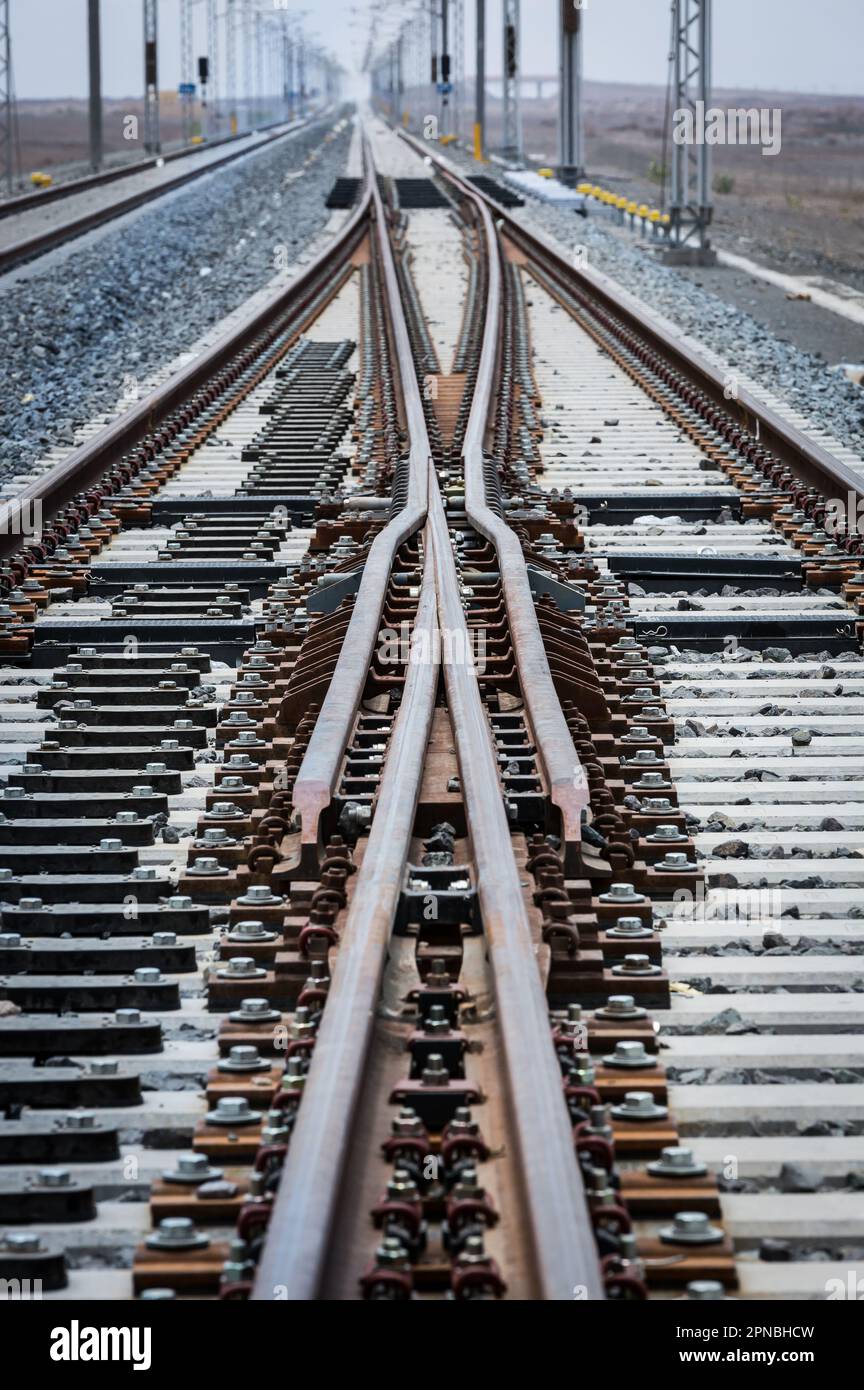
258	40
213	55
151	77
457	65
246	36
187	70
691	207
231	63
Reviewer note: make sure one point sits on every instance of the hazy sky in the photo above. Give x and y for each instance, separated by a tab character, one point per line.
780	44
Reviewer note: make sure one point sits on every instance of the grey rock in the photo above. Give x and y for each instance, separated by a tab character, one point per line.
722	1022
775	1251
799	1177
732	849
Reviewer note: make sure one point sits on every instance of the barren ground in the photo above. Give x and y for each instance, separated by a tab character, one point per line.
801	211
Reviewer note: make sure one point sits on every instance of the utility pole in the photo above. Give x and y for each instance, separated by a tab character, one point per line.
400	80
292	76
691	206
259	69
246	32
151	77
301	74
445	68
512	102
571	158
7	113
480	86
213	55
457	64
95	67
187	99
231	64
433	53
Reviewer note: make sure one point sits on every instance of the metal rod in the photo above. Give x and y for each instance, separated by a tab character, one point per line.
445	69
480	85
152	142
94	56
246	33
213	54
510	81
571	164
7	114
187	75
231	64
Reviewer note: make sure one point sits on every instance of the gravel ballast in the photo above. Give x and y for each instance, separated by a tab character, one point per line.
829	399
826	397
78	326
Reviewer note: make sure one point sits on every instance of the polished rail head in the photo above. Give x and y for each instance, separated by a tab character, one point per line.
562	769
562	1238
294	1257
565	1256
295	1253
316	779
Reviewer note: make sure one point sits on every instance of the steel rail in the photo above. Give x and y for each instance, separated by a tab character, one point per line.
59	485
565	1257
316	778
816	466
21	251
294	1257
562	770
295	1253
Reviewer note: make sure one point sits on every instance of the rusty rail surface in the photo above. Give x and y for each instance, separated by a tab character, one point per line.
313	789
296	1249
59	485
815	465
565	1256
295	1253
565	778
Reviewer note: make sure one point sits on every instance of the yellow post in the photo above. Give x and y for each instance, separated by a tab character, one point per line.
478	142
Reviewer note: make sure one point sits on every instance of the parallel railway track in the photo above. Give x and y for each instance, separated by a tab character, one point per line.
56	192
343	788
36	233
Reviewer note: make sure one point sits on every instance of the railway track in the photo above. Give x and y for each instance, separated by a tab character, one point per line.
33	223
69	187
401	713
